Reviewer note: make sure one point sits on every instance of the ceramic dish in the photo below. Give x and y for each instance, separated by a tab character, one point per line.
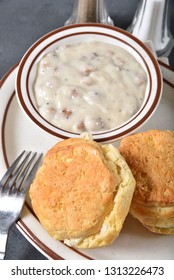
18	133
81	33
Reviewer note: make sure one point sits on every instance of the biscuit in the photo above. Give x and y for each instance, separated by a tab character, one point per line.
82	193
150	156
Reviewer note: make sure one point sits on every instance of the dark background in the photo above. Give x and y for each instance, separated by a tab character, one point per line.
22	22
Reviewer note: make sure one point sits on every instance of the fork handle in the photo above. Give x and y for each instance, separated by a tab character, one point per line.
3	242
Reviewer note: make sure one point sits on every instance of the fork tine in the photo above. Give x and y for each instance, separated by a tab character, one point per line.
31	175
22	175
10	170
12	180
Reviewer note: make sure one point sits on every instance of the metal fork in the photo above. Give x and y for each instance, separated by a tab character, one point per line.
13	188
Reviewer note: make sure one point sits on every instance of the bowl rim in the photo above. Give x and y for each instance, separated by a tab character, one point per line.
104	136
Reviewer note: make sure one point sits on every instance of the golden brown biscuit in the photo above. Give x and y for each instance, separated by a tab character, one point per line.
150	155
82	193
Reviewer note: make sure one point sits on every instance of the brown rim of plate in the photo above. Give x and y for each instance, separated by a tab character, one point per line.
20	223
168	67
105	138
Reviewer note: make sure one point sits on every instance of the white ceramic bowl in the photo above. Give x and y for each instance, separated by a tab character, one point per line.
79	33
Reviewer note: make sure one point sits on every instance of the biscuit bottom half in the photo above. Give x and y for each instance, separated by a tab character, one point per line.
158	218
82	193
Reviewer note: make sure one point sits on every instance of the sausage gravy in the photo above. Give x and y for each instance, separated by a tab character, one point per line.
89	86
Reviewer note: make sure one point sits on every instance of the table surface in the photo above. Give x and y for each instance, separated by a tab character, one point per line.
21	24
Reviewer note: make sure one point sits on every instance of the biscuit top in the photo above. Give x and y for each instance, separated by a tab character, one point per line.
74	172
150	155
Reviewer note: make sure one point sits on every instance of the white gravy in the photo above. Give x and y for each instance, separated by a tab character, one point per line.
90	86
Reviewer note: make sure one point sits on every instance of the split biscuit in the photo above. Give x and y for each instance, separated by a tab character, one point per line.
82	193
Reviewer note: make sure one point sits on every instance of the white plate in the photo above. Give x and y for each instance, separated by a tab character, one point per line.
18	133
